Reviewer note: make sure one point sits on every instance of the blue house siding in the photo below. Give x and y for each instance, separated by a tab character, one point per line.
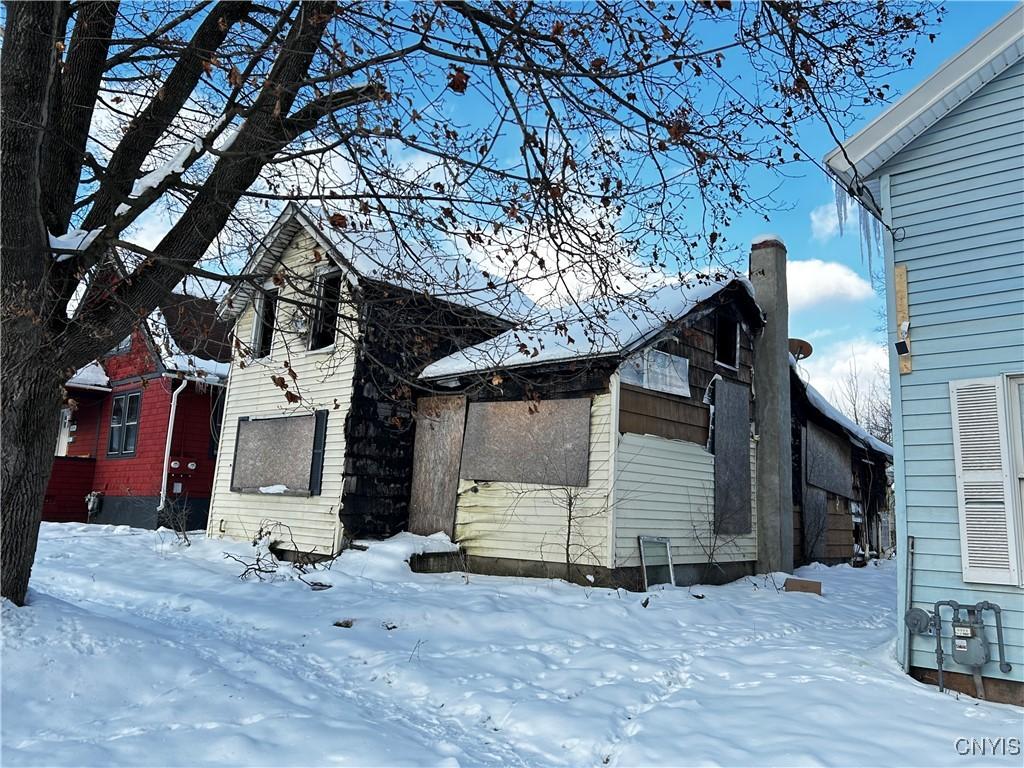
955	200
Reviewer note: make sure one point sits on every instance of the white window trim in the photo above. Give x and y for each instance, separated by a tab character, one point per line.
1016	437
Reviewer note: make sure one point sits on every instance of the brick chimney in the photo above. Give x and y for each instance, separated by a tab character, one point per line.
772	407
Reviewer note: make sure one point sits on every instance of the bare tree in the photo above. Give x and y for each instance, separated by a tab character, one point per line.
561	146
864	397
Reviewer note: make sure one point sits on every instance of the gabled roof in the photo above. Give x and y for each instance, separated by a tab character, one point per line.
861	156
616	332
190	338
374	256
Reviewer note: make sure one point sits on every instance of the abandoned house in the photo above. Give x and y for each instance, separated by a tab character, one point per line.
552	458
840	483
329	337
138	436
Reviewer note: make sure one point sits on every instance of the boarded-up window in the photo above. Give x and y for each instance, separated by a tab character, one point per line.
828	461
545	442
280	455
440	424
732	458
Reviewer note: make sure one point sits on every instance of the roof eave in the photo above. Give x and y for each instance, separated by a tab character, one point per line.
876	144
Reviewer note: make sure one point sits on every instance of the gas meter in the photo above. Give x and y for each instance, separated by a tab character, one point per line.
970	647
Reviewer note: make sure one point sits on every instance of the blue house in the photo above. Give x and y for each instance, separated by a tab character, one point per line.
943	171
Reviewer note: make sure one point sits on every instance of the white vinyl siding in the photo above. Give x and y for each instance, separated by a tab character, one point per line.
667	488
984	491
324	381
524	521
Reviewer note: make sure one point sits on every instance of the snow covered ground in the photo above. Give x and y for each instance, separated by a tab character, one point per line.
135	651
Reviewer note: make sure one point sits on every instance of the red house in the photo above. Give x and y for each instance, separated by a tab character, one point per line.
138	436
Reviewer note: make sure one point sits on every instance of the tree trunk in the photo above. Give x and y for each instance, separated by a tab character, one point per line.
30	404
30	397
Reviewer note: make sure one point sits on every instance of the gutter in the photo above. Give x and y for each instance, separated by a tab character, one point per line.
90	387
167	444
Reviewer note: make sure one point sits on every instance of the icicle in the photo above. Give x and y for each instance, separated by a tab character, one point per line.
866	239
842	206
870	229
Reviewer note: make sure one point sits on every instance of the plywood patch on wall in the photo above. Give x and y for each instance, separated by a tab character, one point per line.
545	442
732	458
440	425
274	452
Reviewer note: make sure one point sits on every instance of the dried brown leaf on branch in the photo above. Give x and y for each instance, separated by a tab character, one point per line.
458	80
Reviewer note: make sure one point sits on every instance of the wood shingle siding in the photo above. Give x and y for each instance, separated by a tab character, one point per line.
644	412
955	197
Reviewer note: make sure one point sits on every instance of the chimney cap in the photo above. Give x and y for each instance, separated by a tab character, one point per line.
762	241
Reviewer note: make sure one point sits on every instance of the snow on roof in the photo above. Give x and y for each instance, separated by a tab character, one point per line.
91	375
821	404
958	79
375	255
767	238
189	338
605	331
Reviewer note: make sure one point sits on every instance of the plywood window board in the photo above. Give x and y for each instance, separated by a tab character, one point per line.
280	456
544	442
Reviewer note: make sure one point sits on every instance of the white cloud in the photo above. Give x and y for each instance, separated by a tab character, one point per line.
813	281
824	222
834	367
825	219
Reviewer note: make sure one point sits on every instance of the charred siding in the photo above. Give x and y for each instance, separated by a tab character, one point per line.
401	334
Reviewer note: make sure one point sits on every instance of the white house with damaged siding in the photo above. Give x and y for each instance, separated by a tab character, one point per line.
316	443
943	169
587	453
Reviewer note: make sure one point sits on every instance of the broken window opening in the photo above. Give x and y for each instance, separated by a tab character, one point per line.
265	321
727	341
325	321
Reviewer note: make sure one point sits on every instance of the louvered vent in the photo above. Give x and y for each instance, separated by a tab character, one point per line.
978	418
987	549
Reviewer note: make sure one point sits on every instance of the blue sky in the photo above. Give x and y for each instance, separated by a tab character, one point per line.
832	303
831	307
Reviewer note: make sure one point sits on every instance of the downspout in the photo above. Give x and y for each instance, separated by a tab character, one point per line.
167	444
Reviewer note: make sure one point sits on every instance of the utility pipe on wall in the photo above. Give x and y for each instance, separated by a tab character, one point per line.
167	445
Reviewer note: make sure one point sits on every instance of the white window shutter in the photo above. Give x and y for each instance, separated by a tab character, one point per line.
981	449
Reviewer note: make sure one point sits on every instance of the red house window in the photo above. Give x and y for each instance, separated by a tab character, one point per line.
124	424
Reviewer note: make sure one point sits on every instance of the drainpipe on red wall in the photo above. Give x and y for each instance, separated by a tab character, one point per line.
167	446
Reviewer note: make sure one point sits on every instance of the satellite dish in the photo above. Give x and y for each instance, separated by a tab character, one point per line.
800	349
